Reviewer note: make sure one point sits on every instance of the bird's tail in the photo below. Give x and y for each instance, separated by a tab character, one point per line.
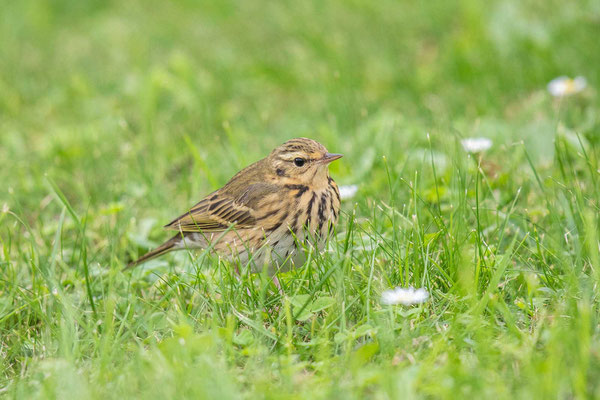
159	251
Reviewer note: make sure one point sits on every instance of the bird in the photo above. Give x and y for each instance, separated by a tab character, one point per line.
267	213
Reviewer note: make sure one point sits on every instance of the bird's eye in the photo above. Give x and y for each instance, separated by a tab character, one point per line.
299	161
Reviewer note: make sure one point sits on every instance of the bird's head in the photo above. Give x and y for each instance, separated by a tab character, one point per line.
302	161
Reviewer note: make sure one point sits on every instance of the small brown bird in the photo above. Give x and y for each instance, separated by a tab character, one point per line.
265	210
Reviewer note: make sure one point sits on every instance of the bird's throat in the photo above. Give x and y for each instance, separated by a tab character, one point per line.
320	179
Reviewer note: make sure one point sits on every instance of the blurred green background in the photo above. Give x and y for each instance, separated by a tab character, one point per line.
108	97
136	109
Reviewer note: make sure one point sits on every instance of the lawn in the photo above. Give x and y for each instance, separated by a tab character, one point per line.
117	116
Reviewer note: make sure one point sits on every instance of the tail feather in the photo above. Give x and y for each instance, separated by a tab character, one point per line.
159	251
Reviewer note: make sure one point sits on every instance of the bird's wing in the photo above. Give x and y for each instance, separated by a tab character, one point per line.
219	211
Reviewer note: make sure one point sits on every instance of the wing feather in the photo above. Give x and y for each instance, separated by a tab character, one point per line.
220	210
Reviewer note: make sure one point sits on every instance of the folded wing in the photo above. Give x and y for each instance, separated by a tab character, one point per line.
222	209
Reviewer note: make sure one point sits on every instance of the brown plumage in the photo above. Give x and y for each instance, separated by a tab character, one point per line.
261	214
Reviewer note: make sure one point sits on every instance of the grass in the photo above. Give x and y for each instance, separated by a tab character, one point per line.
116	116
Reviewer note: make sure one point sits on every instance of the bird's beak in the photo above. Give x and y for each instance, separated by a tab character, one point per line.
329	157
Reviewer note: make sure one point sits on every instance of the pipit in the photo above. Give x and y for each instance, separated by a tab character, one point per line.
265	213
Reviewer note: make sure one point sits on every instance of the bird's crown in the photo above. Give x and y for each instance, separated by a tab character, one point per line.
299	147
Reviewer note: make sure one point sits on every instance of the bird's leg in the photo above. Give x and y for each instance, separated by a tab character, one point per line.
278	285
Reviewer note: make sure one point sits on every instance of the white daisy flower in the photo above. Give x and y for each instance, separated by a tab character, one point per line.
348	191
476	145
404	296
565	86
